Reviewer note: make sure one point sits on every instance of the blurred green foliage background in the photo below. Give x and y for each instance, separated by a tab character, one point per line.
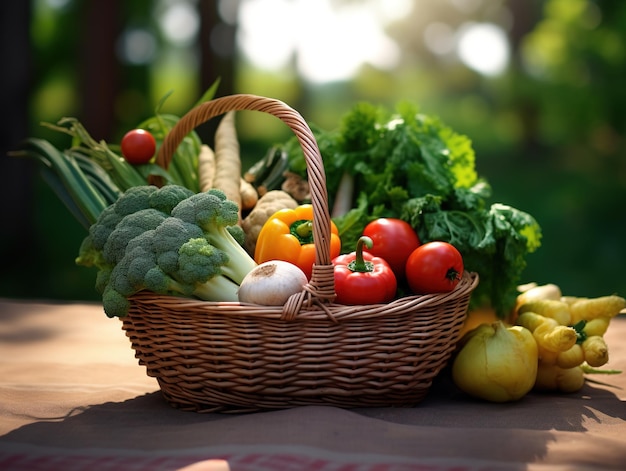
537	86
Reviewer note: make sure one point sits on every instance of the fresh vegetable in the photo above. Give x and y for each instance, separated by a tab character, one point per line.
393	240
603	306
227	159
206	167
552	377
268	173
597	326
288	235
476	317
170	241
496	362
573	356
569	339
268	204
434	267
123	174
248	194
183	167
533	292
411	166
138	146
595	351
272	283
297	187
552	308
84	192
361	278
90	175
551	337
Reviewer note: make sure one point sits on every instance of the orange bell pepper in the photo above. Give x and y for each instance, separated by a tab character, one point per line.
288	235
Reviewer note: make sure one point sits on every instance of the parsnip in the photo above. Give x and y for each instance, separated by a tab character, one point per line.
552	308
548	333
206	167
595	350
592	308
227	159
571	357
597	326
533	292
554	378
249	195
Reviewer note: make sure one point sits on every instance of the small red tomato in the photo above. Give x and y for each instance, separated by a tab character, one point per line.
393	241
434	267
138	146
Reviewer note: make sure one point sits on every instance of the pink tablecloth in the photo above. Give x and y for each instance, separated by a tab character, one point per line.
73	397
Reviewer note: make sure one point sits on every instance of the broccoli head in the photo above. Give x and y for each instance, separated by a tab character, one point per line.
169	241
197	272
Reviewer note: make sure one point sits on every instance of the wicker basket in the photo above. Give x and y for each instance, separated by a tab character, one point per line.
235	357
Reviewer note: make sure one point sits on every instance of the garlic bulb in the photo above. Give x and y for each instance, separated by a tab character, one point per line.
271	283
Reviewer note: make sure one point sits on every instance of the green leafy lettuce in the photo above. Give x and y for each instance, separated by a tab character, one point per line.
412	166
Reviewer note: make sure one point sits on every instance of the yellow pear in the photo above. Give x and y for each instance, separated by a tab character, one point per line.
496	362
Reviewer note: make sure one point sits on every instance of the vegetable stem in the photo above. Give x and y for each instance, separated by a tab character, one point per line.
359	264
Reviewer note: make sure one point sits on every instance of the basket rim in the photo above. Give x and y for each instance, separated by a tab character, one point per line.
314	311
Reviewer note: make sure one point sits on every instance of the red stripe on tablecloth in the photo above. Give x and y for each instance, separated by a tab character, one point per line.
242	462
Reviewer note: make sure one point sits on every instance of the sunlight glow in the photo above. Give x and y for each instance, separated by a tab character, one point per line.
326	42
180	22
483	47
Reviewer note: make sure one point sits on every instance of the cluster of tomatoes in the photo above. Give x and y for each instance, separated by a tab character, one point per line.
388	254
393	249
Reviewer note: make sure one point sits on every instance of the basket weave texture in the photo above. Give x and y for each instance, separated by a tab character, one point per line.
236	357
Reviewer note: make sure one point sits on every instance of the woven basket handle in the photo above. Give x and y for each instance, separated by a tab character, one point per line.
321	285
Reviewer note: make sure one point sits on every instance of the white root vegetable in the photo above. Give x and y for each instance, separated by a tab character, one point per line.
272	283
249	195
227	159
206	167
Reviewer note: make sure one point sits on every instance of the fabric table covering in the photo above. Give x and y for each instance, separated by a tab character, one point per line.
73	397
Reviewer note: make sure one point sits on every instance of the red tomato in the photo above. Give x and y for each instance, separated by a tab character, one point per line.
138	146
393	241
434	267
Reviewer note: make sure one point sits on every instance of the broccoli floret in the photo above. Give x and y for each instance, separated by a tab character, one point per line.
134	199
238	234
170	234
214	213
167	197
104	225
89	255
130	202
114	303
128	228
199	260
